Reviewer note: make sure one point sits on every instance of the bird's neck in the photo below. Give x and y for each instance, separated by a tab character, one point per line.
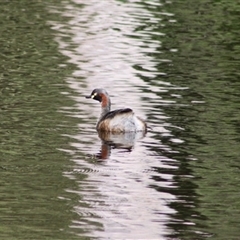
106	106
104	111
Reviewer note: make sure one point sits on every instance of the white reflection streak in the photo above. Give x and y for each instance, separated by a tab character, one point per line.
104	54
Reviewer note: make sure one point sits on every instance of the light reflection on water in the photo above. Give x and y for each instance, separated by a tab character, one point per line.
108	41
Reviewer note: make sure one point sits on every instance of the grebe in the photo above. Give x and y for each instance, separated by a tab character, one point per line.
117	121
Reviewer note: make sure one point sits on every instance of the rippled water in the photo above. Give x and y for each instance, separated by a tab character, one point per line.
119	197
175	64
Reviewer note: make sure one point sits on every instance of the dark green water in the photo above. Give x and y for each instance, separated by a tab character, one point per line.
206	35
175	63
30	126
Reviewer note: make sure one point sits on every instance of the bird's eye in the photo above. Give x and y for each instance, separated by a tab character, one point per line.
94	95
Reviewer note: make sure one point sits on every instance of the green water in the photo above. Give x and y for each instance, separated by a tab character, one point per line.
31	126
207	36
35	199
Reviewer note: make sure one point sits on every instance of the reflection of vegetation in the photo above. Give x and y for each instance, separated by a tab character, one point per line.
30	163
206	36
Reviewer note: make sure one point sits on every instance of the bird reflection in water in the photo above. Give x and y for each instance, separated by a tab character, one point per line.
124	141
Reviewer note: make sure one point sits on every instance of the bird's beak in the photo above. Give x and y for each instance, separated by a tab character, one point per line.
90	96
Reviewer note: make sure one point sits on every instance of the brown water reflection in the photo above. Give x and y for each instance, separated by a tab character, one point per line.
123	141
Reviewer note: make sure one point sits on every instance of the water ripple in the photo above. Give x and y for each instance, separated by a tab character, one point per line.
113	45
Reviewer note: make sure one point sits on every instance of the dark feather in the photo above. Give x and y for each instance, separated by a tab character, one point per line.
112	114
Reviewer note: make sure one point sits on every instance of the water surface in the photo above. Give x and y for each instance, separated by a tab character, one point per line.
175	64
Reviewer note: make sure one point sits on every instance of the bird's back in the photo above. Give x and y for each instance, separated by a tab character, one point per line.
121	120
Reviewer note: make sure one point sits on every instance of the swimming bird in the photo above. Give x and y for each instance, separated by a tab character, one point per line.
117	121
